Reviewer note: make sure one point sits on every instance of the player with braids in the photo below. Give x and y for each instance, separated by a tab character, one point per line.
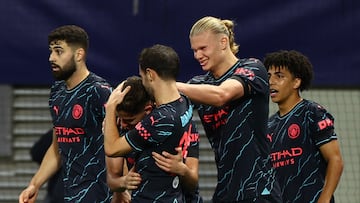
232	100
229	25
221	27
305	151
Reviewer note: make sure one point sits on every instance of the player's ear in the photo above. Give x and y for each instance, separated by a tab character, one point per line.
148	108
79	54
224	42
297	83
150	74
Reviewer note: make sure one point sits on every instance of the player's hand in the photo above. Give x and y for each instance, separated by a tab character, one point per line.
132	179
117	95
169	162
121	197
28	195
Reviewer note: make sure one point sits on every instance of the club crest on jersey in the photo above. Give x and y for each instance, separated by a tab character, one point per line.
77	111
294	131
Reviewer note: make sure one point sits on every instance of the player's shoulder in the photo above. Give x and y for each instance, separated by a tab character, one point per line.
250	67
58	85
273	116
316	109
252	62
198	79
313	105
98	82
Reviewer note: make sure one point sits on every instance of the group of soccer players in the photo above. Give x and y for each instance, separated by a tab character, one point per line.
293	156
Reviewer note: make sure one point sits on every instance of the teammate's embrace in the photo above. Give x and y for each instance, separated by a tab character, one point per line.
167	127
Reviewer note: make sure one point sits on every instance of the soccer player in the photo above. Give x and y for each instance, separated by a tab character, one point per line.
135	105
169	127
77	100
305	151
232	102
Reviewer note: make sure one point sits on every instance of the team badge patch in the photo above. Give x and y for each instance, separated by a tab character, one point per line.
77	111
294	131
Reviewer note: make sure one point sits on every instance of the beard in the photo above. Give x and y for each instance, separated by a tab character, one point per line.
66	71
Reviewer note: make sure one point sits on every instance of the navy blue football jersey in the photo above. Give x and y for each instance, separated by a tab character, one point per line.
237	134
296	138
193	151
168	126
77	116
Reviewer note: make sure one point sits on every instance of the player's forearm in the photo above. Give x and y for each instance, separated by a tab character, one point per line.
190	177
189	182
120	197
114	144
114	170
116	147
48	167
111	133
202	93
117	184
332	178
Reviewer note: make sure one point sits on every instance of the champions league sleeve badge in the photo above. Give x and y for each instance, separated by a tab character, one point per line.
175	182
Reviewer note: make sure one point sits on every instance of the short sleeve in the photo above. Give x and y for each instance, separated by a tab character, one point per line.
321	124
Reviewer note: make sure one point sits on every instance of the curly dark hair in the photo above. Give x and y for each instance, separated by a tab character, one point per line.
135	100
71	34
298	65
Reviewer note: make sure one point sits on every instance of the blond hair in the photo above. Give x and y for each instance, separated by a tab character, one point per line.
216	26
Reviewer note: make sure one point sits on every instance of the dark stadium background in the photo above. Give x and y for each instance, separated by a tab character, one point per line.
327	31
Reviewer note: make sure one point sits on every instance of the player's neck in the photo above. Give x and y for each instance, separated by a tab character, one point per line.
166	92
77	77
286	106
224	66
